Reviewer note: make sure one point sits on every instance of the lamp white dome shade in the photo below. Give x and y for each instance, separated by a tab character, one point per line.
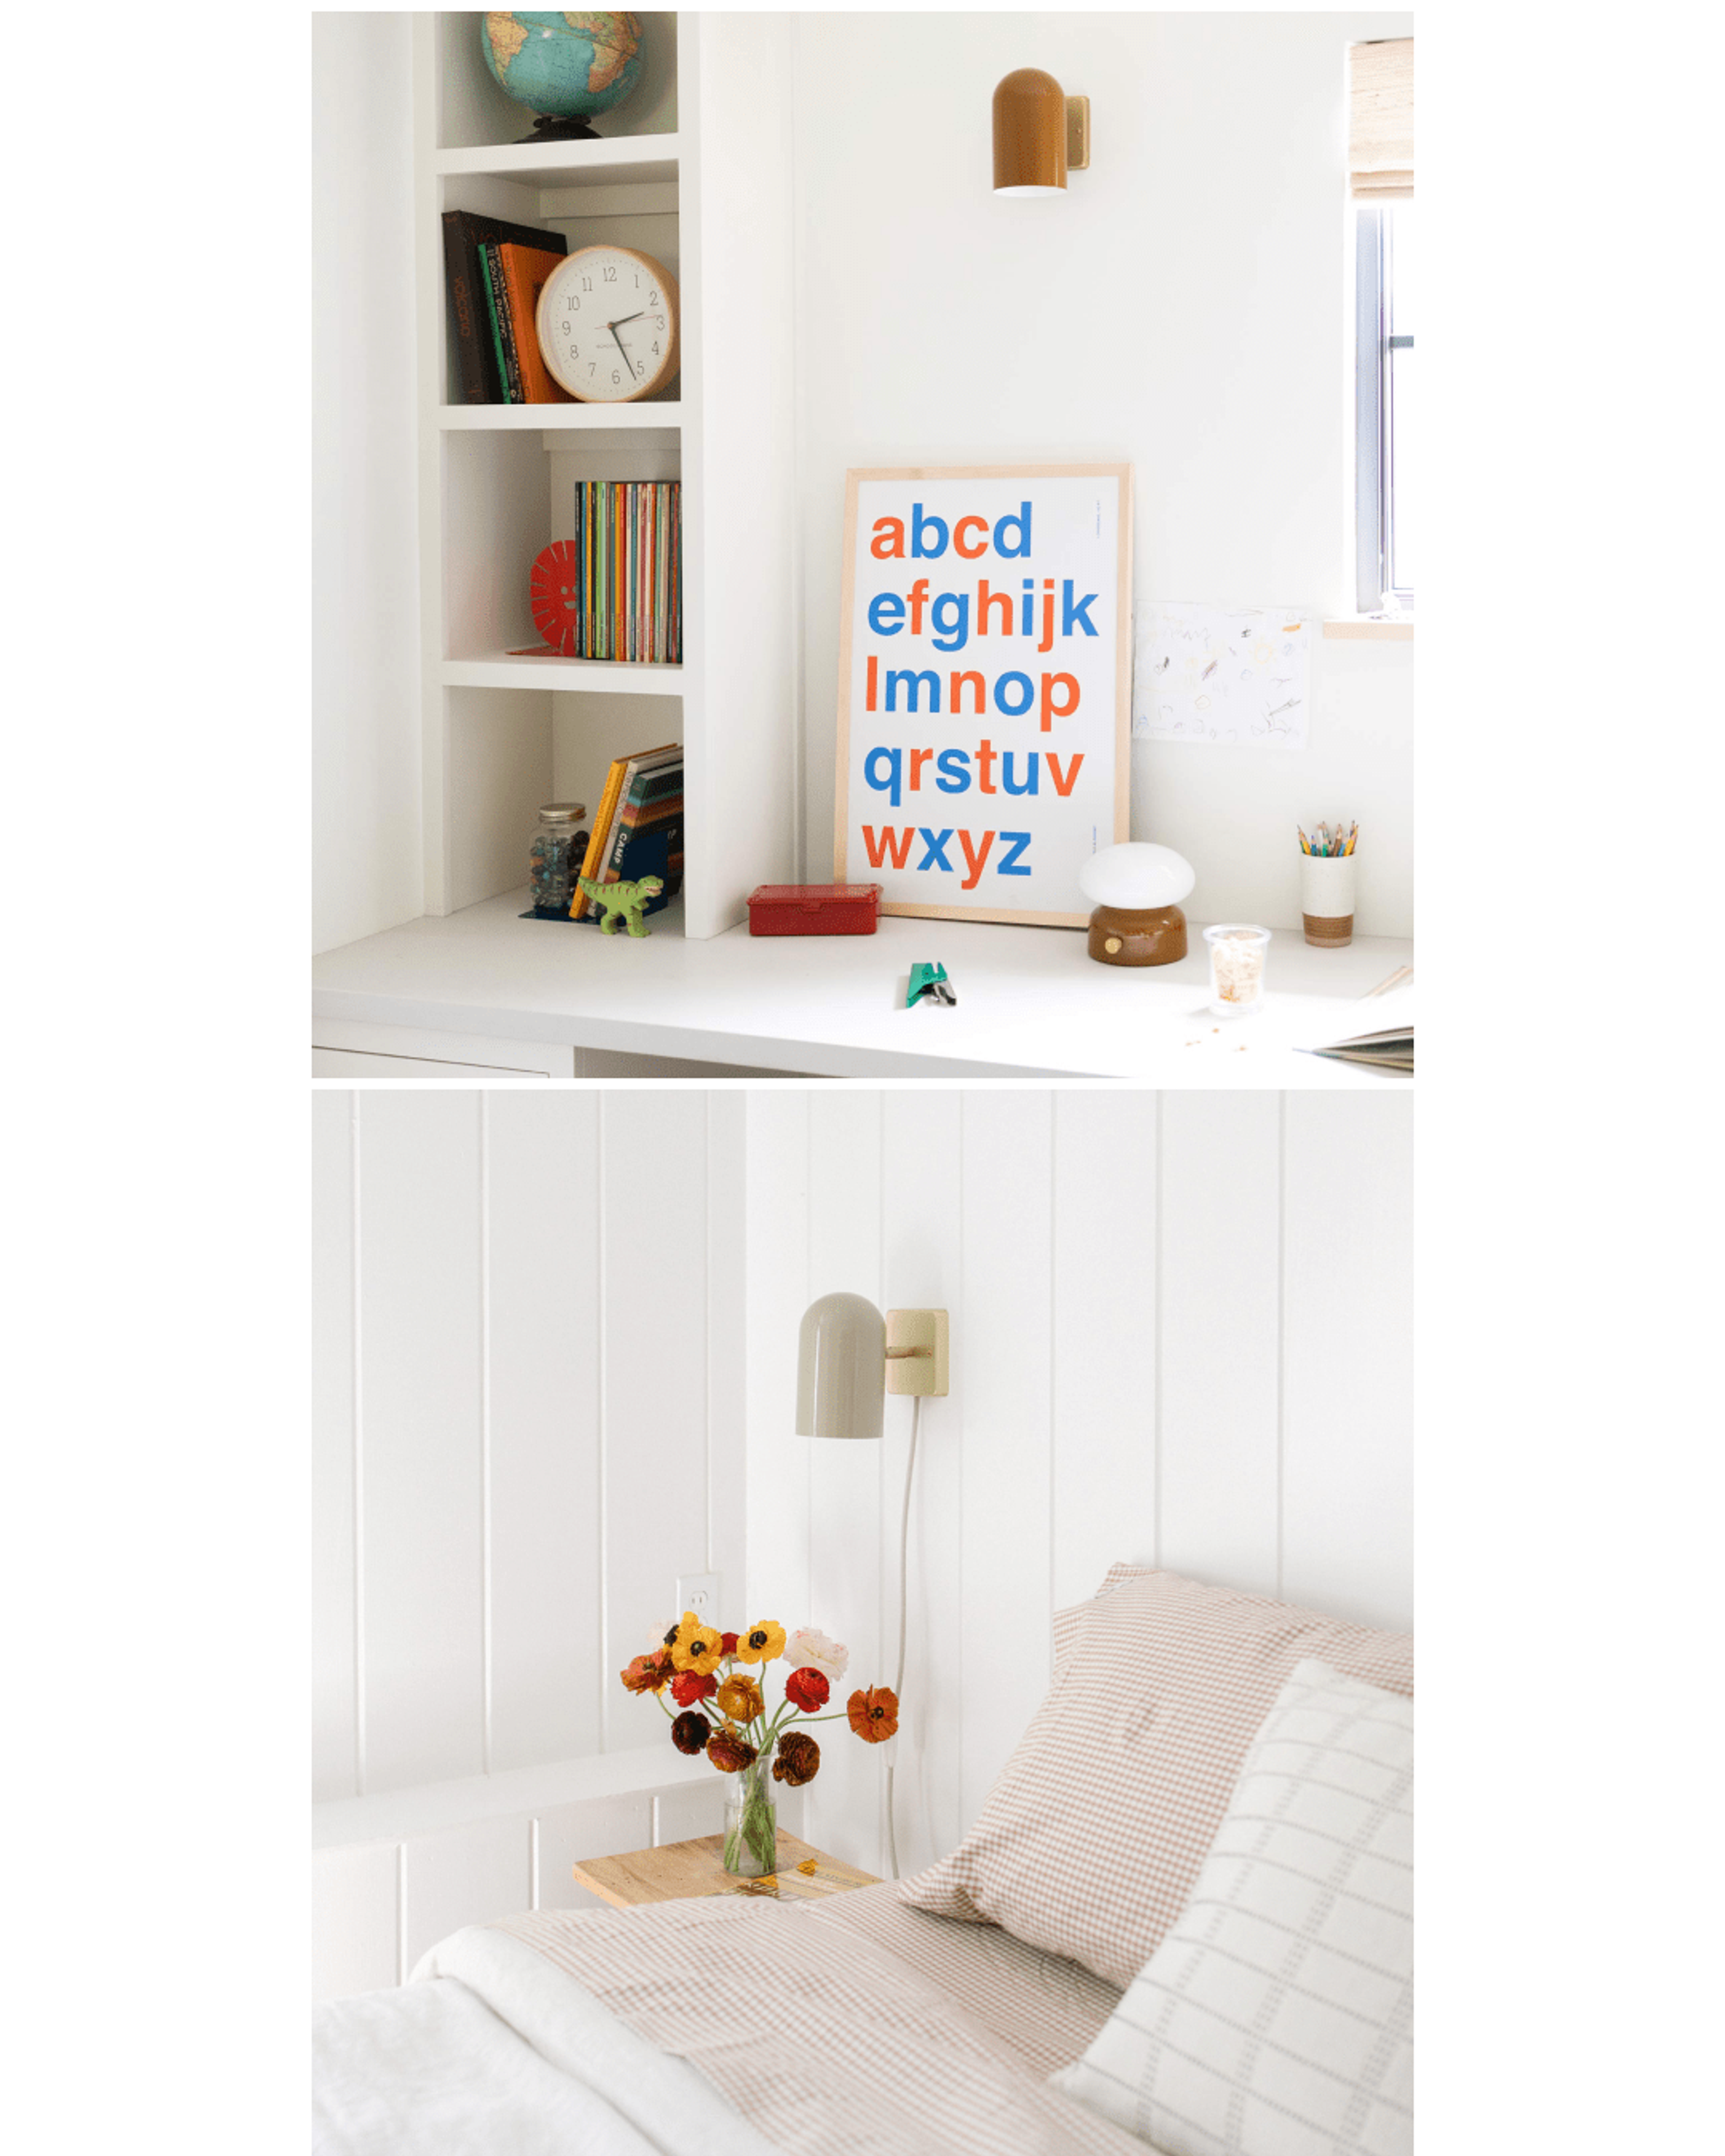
841	1369
1137	876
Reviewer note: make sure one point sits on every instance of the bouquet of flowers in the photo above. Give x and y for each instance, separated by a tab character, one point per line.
719	1680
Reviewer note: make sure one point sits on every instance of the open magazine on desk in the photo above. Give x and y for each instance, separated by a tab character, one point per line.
1386	1039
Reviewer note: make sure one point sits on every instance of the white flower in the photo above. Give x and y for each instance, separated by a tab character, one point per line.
810	1650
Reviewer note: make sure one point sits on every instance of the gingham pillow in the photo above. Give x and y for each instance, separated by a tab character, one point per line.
1276	2018
1089	1842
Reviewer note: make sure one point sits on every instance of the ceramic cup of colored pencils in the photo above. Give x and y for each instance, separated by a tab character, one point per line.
1326	881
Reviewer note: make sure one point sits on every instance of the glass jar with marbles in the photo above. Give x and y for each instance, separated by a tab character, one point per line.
555	855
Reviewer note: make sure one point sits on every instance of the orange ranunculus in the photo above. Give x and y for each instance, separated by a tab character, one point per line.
740	1697
688	1685
647	1672
730	1751
874	1714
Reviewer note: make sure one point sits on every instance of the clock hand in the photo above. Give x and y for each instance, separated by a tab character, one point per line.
622	319
618	342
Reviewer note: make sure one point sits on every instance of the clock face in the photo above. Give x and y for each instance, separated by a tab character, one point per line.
607	324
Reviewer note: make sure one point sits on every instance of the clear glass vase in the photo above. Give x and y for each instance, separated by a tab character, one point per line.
751	1823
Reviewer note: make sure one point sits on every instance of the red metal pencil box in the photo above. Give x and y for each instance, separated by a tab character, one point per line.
814	909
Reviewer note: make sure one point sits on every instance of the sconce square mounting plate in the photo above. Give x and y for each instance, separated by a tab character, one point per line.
1077	134
917	1355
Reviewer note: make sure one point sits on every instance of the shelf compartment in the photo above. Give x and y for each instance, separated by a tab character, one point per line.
620	161
576	419
502	670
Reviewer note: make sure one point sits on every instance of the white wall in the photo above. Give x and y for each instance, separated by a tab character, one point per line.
1180	1334
1181	1329
1187	306
365	608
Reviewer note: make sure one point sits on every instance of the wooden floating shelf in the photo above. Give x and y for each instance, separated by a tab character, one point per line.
596	676
618	161
1362	628
574	418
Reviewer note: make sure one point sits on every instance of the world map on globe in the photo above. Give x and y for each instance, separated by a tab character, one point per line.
569	65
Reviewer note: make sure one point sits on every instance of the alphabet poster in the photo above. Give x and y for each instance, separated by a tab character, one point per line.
984	687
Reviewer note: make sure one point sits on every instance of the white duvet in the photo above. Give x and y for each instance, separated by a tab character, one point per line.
492	2051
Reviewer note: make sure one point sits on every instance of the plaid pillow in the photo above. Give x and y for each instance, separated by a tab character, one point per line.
1089	1843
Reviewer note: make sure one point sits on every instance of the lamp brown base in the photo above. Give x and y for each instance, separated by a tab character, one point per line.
1150	936
1329	932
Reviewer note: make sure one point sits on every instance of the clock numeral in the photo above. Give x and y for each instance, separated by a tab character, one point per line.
653	299
571	304
659	321
615	376
655	350
587	284
610	276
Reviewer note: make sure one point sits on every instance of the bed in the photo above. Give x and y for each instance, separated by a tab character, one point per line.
1056	1987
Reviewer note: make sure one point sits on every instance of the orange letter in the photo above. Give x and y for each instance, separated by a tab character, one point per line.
958	682
1047	643
919	600
1052	711
888	543
985	766
919	757
964	524
874	683
877	845
973	861
1064	787
985	599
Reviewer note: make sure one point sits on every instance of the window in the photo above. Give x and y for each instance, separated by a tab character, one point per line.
1387	448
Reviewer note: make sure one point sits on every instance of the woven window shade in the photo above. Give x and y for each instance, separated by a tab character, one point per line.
1380	124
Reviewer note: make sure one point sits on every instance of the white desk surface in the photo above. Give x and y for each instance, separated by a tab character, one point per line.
1031	1002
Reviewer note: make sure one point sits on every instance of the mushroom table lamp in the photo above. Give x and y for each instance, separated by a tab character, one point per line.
1135	889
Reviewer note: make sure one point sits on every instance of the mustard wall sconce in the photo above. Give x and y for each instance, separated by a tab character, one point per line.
1041	134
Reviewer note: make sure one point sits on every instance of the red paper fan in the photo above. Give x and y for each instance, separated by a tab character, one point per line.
555	596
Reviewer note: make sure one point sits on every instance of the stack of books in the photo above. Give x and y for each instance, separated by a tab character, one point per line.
628	571
638	830
495	272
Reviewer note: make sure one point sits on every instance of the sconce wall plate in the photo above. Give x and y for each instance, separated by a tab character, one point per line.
1077	134
917	1360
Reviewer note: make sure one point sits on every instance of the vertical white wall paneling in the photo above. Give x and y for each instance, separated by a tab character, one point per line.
699	1808
467	1876
355	1920
846	1525
1105	1336
777	1217
1004	1352
335	1765
540	1163
653	1149
922	1267
421	1413
1348	1453
1219	1268
609	1827
726	1356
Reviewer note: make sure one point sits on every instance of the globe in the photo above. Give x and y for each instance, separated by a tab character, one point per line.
565	67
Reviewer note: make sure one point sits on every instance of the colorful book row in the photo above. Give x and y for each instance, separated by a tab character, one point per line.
615	591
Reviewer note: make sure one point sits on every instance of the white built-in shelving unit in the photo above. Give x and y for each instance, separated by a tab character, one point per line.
695	170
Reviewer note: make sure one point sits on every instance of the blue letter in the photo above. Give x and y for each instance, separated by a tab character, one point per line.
958	628
889	784
904	674
1011	710
953	765
919	525
1019	840
1079	614
886	613
936	857
1029	784
1019	553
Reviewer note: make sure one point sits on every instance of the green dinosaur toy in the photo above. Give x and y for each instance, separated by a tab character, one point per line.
621	901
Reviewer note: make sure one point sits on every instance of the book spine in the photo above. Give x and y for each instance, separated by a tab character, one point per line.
524	270
474	384
489	286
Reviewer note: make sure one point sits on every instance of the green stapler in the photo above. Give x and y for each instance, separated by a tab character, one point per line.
929	984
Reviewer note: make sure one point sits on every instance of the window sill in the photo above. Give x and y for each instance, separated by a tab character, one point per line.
1369	628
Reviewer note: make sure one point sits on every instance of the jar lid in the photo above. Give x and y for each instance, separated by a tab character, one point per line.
562	812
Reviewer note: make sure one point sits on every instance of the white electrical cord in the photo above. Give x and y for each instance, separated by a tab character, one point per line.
904	1552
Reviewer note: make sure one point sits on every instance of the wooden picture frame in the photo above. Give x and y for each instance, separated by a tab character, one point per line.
1043	552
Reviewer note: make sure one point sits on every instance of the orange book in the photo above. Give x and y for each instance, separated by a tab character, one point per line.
524	270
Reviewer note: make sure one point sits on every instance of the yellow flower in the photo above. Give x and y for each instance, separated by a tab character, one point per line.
762	1643
696	1645
740	1698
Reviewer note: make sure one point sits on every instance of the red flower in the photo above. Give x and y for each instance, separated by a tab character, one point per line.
728	1643
689	1732
730	1751
688	1685
874	1714
807	1689
799	1759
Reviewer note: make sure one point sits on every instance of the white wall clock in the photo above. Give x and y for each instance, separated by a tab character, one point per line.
608	325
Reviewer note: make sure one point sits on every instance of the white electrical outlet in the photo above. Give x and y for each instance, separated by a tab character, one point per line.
698	1591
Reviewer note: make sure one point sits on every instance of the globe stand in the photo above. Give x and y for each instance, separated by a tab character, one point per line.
553	128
